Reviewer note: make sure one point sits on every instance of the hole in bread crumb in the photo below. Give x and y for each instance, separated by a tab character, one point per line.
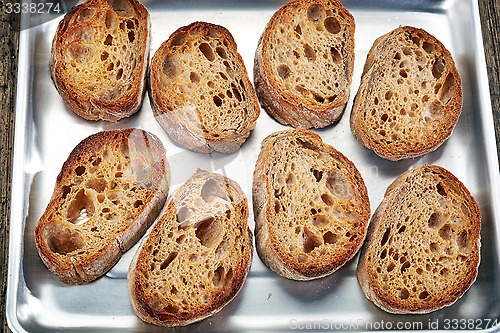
336	56
317	174
428	47
383	254
402	229
121	7
217	101
404	294
284	71
388	95
65	191
109	40
168	260
330	238
182	214
403	73
463	240
61	239
236	93
339	186
309	241
309	52
332	25
385	237
277	206
327	199
434	247
384	117
131	36
446	92
390	266
435	219
207	51
445	232
440	189
405	266
298	29
423	295
314	13
138	203
320	221
444	272
171	308
438	68
218	276
169	67
211	190
81	207
80	170
209	232
104	55
119	73
221	52
306	144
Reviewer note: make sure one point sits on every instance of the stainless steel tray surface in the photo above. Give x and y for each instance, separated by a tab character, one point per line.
46	131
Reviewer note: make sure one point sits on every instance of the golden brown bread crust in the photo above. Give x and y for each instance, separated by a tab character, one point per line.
410	96
99	58
422	250
108	193
311	206
197	256
304	63
200	90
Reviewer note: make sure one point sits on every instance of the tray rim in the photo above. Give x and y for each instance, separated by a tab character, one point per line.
21	181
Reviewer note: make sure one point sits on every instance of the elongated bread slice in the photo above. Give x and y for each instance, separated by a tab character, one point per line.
311	206
200	90
423	246
410	96
99	58
109	191
197	256
304	63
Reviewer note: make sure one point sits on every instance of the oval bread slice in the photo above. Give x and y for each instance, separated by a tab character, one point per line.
310	203
109	191
200	90
304	63
99	58
197	256
423	246
410	96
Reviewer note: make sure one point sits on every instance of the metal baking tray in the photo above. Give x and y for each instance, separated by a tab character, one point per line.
46	131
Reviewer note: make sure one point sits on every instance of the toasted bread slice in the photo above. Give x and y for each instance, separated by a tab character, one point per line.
423	246
197	256
99	58
410	96
311	206
304	63
200	90
109	191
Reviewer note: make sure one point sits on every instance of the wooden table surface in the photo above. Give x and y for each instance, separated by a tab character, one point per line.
9	37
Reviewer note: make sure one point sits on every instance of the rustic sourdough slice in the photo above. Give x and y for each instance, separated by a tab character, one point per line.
109	191
200	90
99	58
410	96
304	63
197	256
311	206
423	246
